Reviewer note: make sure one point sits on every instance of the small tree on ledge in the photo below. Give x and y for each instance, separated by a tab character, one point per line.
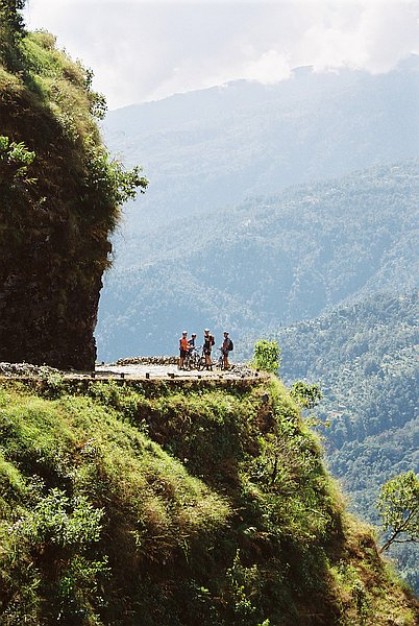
398	504
266	356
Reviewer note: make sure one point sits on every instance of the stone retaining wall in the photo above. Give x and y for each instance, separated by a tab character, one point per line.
25	369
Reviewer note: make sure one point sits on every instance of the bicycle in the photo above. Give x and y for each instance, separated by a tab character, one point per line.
219	363
192	359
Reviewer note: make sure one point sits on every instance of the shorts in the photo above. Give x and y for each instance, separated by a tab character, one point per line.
183	353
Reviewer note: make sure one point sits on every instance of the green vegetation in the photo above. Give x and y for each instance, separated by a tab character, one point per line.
164	505
59	88
14	162
12	31
306	395
399	507
266	356
365	357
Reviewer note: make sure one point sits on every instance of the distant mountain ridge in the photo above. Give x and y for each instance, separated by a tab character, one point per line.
209	149
212	157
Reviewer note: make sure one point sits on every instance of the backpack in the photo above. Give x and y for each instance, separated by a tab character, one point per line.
231	346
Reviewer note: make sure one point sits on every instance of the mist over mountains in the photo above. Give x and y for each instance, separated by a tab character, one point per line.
258	212
213	148
266	206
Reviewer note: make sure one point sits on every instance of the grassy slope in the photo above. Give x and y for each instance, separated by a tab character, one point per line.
166	505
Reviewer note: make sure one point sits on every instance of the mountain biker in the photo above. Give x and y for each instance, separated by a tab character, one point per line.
183	349
209	341
226	348
191	343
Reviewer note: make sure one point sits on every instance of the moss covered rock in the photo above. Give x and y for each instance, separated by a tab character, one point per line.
59	201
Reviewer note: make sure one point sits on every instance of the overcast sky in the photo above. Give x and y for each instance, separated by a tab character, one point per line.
144	50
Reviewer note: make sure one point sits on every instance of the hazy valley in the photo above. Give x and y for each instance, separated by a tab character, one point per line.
277	212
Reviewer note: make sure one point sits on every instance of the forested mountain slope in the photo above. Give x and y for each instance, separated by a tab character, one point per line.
366	358
266	262
213	148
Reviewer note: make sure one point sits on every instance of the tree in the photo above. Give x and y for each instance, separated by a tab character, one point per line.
12	30
308	396
398	504
266	356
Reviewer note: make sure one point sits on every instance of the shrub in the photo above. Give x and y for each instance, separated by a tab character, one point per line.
266	356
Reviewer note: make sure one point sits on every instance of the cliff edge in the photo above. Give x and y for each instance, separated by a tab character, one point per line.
59	201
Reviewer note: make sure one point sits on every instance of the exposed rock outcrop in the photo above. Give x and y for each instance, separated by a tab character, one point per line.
60	195
53	252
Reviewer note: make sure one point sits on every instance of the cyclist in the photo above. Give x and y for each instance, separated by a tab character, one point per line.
226	348
209	341
191	343
183	349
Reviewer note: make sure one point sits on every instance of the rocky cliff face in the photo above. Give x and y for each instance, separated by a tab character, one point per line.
52	258
59	198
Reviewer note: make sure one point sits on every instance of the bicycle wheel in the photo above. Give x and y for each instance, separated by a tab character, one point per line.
201	363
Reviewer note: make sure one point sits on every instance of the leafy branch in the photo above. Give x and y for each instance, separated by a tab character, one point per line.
398	504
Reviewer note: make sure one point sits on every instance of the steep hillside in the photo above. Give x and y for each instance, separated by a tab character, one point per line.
366	358
171	505
209	149
267	262
59	200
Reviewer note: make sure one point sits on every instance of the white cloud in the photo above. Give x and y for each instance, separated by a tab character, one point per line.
142	49
390	33
271	67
